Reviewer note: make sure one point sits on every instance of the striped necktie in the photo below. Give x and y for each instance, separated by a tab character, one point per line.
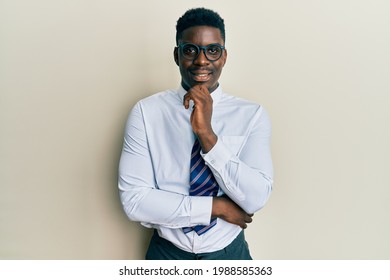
202	183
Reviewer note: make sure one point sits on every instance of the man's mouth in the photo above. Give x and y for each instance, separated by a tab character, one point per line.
200	77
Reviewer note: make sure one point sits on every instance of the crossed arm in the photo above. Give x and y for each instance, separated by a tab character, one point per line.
245	194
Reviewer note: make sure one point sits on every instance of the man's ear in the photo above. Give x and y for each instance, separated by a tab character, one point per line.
225	57
176	55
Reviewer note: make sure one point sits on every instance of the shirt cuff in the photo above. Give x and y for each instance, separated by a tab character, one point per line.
201	207
218	156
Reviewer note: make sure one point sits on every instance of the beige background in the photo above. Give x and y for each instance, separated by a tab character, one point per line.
71	70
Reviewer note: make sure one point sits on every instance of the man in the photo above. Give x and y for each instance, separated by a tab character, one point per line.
196	162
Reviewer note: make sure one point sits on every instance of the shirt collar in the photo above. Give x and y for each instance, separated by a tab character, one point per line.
215	95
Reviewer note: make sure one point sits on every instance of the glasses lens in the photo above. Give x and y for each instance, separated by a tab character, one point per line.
213	52
190	51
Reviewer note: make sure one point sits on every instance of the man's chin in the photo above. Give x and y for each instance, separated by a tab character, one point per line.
210	86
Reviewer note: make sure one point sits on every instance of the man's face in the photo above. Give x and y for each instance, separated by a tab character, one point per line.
200	71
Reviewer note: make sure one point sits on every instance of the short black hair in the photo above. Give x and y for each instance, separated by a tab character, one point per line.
199	17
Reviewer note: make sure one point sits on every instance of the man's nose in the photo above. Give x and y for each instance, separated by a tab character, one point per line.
201	59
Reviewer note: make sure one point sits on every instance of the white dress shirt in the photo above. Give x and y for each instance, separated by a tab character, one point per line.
154	168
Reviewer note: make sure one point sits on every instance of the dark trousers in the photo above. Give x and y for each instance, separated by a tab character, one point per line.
162	249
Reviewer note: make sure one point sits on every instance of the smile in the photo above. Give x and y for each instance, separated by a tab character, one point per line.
201	77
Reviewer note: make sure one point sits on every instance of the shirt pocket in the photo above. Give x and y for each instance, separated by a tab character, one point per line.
233	143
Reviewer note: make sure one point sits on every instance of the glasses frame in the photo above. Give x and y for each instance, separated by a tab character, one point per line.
199	48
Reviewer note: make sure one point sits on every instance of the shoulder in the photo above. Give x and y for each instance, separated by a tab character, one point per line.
158	101
243	109
239	103
230	99
156	98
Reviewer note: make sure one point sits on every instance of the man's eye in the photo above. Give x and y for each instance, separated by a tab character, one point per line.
189	50
213	50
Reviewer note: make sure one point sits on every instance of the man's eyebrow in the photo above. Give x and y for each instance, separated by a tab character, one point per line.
185	42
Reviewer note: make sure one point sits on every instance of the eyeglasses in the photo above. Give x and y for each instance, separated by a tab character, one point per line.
190	51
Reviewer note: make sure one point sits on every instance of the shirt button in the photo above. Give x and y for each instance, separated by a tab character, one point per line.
212	161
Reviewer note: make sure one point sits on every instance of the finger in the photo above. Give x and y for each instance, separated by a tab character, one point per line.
203	89
243	226
186	100
190	95
247	219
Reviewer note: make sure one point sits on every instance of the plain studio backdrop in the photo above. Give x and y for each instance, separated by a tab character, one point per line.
72	70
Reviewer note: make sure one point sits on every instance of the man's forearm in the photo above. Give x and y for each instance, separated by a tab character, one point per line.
207	141
168	209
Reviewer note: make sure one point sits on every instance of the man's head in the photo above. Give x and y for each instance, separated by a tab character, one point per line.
199	17
200	52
